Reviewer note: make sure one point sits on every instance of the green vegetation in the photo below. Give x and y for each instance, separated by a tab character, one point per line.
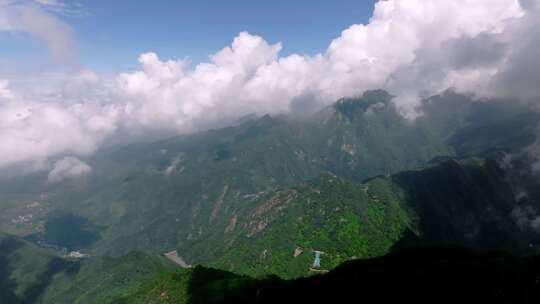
26	271
81	234
422	275
101	279
355	181
340	218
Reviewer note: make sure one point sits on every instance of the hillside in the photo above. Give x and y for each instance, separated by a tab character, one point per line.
466	202
102	279
26	270
422	275
354	181
30	274
174	193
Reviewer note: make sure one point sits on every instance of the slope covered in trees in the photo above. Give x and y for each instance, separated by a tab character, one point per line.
355	180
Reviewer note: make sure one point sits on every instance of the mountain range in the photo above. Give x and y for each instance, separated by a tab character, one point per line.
357	182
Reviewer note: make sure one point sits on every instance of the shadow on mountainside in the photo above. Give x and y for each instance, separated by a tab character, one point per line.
68	231
465	204
459	204
9	258
421	275
8	285
56	265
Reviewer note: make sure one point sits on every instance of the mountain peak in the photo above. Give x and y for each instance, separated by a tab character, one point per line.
369	102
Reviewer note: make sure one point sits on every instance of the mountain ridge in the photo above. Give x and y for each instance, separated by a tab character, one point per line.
355	180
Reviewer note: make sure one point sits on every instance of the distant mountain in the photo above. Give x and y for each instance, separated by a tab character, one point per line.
355	180
179	192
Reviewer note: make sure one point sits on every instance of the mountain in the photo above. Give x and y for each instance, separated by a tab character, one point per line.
466	202
202	180
420	275
284	227
354	180
31	274
26	270
102	279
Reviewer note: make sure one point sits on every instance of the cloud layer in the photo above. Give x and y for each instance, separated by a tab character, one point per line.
410	47
68	167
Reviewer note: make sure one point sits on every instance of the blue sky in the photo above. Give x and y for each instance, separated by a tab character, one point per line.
113	33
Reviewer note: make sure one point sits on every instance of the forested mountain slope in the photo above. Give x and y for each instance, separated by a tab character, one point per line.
355	180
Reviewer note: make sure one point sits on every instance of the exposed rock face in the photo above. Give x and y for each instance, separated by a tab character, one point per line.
173	256
259	227
232	224
264	254
218	204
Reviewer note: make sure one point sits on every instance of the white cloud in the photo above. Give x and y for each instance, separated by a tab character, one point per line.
50	3
404	48
71	8
68	167
409	47
28	18
173	165
168	94
33	131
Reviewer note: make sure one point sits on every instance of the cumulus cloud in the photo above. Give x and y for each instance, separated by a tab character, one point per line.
409	47
519	74
168	94
68	167
33	131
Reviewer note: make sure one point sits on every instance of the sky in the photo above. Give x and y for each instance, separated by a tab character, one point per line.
76	75
111	34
